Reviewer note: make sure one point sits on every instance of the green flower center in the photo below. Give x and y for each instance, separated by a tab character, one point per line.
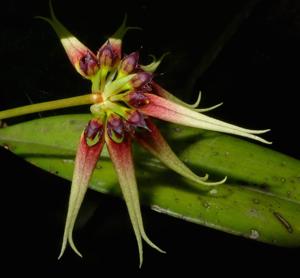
120	85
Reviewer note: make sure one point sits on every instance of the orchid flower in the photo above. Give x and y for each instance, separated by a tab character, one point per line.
124	98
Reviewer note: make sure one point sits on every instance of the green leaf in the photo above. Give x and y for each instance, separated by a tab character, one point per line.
261	200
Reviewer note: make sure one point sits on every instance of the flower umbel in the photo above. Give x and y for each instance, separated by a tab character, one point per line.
124	99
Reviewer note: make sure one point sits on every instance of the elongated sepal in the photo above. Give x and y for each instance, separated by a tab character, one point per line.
167	110
121	157
154	142
85	162
81	57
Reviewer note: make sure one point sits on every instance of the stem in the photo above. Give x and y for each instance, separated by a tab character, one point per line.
96	80
51	105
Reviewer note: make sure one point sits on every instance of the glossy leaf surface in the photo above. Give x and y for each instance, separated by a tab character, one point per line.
261	200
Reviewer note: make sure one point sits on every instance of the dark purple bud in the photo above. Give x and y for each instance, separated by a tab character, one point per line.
88	64
136	119
137	99
93	129
129	63
141	79
106	55
115	128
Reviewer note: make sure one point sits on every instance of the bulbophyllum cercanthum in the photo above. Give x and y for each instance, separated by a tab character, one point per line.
123	100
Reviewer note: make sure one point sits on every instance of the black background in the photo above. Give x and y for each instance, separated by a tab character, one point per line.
256	75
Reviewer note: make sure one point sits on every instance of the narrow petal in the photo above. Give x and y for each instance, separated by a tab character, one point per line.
167	110
82	58
115	40
85	162
154	64
121	157
158	90
202	110
154	142
123	29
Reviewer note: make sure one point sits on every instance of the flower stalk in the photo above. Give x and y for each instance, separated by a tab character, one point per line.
51	105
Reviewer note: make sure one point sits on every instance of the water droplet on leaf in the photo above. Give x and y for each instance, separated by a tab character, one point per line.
213	192
206	205
254	234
